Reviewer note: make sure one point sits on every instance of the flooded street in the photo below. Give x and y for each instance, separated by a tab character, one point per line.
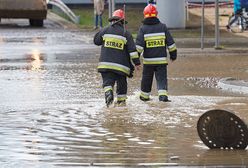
52	110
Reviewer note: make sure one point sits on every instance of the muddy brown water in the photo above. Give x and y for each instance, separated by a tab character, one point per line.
52	111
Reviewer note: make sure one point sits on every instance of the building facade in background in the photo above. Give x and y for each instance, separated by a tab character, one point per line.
89	1
133	1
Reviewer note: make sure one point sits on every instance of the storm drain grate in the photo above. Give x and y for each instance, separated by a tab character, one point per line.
222	129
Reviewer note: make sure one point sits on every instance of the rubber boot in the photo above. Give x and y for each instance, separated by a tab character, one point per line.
144	99
109	97
163	98
121	103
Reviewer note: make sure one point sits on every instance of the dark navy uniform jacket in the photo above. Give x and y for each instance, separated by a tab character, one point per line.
153	40
118	51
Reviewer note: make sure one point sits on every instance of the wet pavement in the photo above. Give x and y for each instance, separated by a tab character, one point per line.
53	112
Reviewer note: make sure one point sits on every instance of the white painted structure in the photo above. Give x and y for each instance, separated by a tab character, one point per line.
172	13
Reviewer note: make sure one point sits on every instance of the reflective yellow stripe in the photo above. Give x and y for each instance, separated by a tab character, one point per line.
162	93
150	15
134	55
161	60
155	40
114	66
115	37
155	62
154	36
107	88
172	47
139	48
121	97
144	95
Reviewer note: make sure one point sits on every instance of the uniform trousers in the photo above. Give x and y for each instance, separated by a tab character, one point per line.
160	72
109	79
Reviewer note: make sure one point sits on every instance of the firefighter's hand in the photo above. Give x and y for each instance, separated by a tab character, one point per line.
172	60
137	67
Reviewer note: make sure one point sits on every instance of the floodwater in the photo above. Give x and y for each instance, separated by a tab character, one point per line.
52	111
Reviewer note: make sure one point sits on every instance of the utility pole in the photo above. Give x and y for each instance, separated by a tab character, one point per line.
217	30
202	24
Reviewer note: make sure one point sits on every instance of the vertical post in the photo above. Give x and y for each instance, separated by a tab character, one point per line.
217	31
187	9
202	24
113	6
124	8
110	8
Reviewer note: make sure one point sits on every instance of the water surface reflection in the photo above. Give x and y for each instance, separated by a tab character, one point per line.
53	114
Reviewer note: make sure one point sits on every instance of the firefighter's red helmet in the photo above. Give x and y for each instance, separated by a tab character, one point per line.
150	11
117	15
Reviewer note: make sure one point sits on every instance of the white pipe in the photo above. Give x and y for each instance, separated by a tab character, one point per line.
65	9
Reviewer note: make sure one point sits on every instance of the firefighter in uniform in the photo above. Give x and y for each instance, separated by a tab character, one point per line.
152	41
118	55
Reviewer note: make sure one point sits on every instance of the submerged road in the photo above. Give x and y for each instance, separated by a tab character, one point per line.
52	111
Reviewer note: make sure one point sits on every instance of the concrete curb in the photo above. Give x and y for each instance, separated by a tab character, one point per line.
234	85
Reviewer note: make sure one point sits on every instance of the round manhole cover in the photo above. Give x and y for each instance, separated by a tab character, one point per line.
222	129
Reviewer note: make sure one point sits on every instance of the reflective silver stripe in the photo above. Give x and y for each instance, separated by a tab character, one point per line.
107	88
139	48
155	59
115	66
122	96
134	55
115	36
160	60
154	34
162	92
172	47
145	93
